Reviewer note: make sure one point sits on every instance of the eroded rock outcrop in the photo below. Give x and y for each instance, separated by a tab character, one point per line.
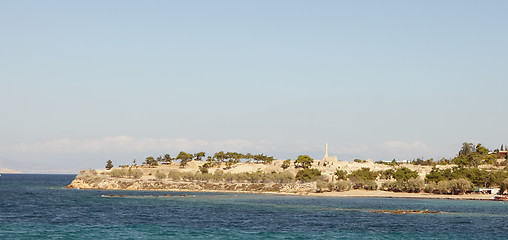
90	179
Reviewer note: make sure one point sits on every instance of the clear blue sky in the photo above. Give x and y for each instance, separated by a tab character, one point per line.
83	82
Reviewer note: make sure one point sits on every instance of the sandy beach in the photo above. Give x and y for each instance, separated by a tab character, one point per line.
386	194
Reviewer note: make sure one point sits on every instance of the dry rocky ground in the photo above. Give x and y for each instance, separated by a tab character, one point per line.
103	179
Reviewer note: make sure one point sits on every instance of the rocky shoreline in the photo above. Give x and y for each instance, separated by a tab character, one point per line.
85	180
90	179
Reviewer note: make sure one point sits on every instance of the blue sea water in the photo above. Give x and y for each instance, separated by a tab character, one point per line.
39	207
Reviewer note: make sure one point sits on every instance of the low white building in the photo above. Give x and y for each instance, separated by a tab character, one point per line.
489	190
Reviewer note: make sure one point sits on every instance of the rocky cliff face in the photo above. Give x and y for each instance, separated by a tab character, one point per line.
89	179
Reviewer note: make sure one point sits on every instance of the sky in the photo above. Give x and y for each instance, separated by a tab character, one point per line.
82	82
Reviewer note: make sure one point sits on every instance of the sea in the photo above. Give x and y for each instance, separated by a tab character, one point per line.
38	206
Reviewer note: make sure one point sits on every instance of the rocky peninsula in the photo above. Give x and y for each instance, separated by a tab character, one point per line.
332	178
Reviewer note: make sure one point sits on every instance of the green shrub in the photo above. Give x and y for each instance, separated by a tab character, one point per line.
454	186
386	174
412	186
415	185
285	177
207	176
443	187
174	175
88	176
117	172
430	187
286	164
187	176
242	177
203	168
256	177
364	184
307	175
229	177
460	186
343	186
363	174
160	175
136	173
322	186
218	175
396	186
341	174
404	174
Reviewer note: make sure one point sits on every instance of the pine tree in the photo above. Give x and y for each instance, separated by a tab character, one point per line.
109	165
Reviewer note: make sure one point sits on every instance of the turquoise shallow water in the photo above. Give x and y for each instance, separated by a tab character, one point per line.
38	207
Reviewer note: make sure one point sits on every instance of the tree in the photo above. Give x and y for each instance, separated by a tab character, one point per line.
503	186
386	174
466	149
363	174
304	161
231	162
460	160
160	175
199	155
219	156
167	158
444	161
481	149
404	174
109	165
475	159
184	158
261	158
203	168
307	174
150	161
460	186
341	174
286	164
437	175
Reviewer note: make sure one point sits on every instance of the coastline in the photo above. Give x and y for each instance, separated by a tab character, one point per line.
386	194
189	179
355	193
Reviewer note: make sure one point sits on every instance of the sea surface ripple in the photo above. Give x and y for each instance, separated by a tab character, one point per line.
37	206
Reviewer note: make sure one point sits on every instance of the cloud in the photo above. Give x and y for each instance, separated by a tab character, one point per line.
396	146
354	150
127	145
130	144
390	150
412	150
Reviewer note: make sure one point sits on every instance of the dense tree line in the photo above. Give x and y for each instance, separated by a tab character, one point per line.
215	160
478	177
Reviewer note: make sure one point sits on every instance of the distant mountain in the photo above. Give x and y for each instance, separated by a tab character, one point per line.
5	170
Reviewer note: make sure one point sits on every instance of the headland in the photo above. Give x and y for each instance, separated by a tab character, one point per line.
327	177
